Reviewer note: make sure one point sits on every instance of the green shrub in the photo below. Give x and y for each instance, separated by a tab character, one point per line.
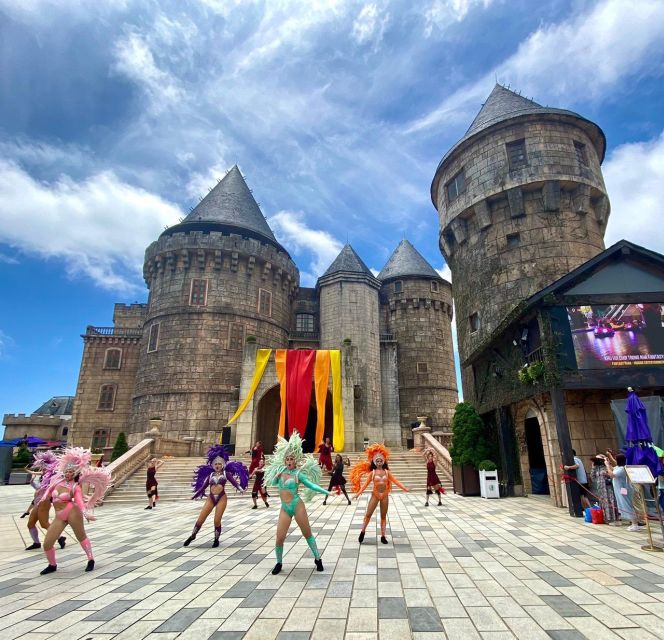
121	447
470	444
487	465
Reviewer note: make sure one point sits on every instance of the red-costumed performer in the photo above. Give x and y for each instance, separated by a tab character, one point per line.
66	492
377	471
325	450
433	481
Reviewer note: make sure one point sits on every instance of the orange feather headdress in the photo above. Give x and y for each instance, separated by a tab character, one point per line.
364	466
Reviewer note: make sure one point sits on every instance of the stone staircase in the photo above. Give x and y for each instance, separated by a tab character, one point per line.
175	478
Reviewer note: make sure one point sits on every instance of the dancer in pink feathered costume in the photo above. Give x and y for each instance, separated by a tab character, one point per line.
66	492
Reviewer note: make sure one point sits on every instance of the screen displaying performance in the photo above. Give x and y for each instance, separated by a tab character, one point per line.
618	335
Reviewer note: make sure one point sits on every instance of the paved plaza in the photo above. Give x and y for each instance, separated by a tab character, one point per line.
469	569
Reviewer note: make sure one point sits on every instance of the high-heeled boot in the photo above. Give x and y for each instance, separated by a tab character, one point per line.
188	541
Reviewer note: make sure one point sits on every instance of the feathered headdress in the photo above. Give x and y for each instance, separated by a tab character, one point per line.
364	466
308	465
217	451
236	472
42	460
74	459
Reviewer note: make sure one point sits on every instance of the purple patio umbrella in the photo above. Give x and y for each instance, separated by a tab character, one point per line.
640	449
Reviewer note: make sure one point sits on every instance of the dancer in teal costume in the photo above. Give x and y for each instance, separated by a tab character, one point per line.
282	472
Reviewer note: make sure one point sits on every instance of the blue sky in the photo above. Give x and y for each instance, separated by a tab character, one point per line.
117	115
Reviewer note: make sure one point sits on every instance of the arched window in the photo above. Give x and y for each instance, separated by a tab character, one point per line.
113	358
106	398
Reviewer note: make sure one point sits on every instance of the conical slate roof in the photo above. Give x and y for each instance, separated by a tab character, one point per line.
230	203
348	262
504	104
407	261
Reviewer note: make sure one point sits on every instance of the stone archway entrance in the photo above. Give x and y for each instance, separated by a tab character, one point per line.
536	458
267	420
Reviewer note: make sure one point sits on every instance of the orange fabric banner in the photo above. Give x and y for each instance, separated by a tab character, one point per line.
321	379
280	364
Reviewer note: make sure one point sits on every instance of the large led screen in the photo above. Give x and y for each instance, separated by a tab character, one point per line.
618	335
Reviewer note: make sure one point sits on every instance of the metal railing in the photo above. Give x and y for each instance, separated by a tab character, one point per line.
113	331
304	335
387	337
536	355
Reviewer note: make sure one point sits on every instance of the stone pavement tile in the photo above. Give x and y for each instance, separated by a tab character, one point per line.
290	589
417	597
241	589
227	635
507	607
636	634
640	584
263	629
461	629
472	597
181	620
497	635
278	608
566	634
593	628
289	635
361	619
365	582
579	596
390	590
460	581
340	590
526	628
625	606
258	598
240	620
611	617
424	619
564	606
59	610
329	630
649	623
301	619
21	629
490	588
486	619
390	629
178	584
65	622
367	598
121	622
109	612
360	635
656	608
389	575
629	593
333	608
392	608
221	610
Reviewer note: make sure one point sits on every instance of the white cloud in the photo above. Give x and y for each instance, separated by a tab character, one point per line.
99	226
290	229
442	13
374	271
5	259
634	176
582	58
369	24
6	342
445	273
199	184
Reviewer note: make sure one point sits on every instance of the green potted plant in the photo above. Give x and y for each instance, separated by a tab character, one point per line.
536	371
470	447
489	479
121	447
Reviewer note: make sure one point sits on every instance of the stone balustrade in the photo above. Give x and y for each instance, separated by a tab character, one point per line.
129	462
444	457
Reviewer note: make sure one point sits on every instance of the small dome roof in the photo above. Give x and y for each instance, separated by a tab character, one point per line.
407	261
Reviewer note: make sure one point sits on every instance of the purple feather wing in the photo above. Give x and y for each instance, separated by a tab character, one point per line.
239	471
200	476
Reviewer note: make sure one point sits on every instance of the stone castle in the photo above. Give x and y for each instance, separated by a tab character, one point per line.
221	286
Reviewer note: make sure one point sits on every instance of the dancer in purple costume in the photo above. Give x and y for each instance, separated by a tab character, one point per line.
213	477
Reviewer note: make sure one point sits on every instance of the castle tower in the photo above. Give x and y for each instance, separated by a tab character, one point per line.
521	202
214	279
348	294
417	304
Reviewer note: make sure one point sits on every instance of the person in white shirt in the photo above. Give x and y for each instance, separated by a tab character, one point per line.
581	476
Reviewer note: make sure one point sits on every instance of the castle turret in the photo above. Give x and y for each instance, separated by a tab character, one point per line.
521	201
417	304
214	279
348	294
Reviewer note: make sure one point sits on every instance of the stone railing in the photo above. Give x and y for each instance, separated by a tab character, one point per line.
129	462
444	458
114	331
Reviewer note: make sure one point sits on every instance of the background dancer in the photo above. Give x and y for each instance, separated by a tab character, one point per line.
151	484
258	488
433	481
43	467
337	479
377	470
325	450
213	477
282	471
66	492
257	454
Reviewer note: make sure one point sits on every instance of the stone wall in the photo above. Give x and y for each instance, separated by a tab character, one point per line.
87	417
191	381
39	426
349	310
511	233
419	319
129	316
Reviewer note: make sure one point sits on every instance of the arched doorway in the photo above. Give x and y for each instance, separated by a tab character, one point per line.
536	459
267	420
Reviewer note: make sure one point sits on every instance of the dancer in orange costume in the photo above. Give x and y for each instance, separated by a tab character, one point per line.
378	472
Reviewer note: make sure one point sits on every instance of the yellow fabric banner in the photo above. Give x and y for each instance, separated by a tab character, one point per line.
321	378
337	408
262	356
280	365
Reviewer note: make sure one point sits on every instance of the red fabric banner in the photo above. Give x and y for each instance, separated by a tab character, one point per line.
299	372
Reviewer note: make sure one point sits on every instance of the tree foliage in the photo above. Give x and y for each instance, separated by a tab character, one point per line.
470	442
121	447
